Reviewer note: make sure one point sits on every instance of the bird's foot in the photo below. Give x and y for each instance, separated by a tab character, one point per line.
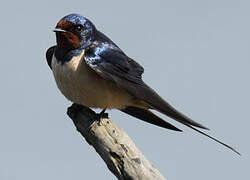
75	109
102	114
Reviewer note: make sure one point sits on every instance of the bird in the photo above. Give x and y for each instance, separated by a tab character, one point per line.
91	70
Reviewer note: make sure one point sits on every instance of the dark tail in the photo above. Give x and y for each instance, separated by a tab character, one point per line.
144	93
149	117
148	95
214	139
165	108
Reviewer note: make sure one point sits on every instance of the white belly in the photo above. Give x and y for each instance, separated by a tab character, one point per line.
81	85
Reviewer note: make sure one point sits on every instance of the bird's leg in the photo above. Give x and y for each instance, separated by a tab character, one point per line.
102	114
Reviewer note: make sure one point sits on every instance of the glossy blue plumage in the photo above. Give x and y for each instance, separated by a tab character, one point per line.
75	19
104	60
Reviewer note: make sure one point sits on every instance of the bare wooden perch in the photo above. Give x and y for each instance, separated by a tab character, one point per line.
114	146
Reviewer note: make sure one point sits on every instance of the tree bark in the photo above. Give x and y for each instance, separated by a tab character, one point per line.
114	146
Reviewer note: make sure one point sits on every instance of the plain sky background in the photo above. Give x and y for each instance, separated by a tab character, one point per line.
196	55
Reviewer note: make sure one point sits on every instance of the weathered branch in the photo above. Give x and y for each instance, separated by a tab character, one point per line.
118	151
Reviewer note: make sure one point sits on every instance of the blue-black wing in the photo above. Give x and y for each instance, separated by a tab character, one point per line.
49	55
106	59
112	64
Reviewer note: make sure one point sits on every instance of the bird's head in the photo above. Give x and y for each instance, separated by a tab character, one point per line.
74	31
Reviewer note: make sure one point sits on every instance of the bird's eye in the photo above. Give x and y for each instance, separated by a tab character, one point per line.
79	28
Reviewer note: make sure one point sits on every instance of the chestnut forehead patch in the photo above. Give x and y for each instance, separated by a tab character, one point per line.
75	19
65	25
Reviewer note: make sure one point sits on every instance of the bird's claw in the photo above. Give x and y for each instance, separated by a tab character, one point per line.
102	115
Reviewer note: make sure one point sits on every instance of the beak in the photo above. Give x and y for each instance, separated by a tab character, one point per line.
59	30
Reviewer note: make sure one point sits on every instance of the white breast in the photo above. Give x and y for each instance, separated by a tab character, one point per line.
80	84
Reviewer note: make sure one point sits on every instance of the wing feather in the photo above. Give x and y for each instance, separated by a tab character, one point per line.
112	64
49	55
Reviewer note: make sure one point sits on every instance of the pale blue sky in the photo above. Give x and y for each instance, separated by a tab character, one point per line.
195	54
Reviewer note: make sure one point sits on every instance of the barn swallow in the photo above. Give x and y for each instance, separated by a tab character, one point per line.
91	70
